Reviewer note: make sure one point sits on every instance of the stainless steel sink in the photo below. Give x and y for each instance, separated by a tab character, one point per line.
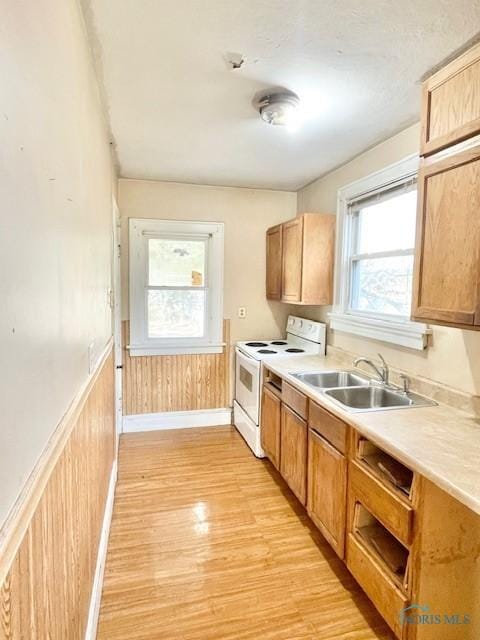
331	379
376	398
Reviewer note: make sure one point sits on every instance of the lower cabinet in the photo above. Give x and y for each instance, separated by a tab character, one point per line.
270	427
398	533
327	490
293	458
389	600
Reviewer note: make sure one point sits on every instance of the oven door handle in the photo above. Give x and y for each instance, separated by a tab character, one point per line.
244	355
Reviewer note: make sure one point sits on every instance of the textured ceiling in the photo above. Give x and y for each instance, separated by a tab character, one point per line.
177	112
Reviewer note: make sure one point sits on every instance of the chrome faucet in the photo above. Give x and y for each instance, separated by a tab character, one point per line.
382	372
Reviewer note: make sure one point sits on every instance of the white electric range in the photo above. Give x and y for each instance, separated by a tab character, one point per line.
304	337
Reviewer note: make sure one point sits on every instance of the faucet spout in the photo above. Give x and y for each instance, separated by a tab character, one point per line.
382	372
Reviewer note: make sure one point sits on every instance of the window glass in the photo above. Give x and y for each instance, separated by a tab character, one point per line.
173	313
382	256
388	225
176	263
383	285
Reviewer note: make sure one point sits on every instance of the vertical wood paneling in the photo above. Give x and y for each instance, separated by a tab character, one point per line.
153	384
46	594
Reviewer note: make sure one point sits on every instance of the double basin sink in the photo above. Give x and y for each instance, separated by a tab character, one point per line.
356	392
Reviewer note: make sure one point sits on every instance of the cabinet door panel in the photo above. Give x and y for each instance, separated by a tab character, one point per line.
451	103
293	452
274	263
270	427
327	490
292	260
447	260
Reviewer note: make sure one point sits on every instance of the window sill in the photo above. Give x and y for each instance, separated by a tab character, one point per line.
151	350
413	335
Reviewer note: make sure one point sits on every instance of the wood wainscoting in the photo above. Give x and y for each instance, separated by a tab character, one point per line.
52	539
154	384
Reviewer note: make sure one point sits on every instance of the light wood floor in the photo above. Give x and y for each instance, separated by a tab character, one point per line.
208	543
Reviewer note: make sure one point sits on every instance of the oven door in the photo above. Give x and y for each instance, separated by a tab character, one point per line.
247	384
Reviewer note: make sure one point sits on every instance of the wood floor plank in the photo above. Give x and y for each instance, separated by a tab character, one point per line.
208	543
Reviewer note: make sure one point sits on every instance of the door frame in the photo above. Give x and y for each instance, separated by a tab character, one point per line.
117	314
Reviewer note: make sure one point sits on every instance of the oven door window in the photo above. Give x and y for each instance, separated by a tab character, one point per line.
246	378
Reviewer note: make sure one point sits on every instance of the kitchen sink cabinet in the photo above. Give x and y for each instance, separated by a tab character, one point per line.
404	539
327	488
293	452
300	260
446	287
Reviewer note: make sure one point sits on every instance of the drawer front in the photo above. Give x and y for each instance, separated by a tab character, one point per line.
392	512
294	399
377	585
332	429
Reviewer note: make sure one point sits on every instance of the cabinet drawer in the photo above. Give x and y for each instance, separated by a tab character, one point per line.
294	399
396	515
331	428
387	598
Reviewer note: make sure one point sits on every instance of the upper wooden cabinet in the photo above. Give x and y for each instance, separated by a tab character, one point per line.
446	288
292	260
447	268
274	262
451	103
300	256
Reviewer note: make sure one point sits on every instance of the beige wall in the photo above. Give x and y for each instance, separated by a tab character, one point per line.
454	357
55	234
247	213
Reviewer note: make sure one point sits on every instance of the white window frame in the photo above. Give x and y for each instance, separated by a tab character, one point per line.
403	332
140	231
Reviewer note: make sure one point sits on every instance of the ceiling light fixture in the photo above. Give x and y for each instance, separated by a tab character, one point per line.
279	107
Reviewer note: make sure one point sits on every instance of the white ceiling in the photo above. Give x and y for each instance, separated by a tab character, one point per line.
178	113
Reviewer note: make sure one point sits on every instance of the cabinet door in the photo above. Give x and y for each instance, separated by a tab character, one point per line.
292	260
274	263
270	426
293	452
451	103
327	490
447	251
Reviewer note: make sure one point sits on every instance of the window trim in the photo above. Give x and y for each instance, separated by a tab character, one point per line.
140	231
405	333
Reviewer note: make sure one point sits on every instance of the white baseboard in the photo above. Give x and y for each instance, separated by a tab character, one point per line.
94	610
177	420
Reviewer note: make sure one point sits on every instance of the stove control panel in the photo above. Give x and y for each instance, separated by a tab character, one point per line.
308	329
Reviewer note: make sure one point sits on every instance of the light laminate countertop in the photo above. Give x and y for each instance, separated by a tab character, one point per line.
439	442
